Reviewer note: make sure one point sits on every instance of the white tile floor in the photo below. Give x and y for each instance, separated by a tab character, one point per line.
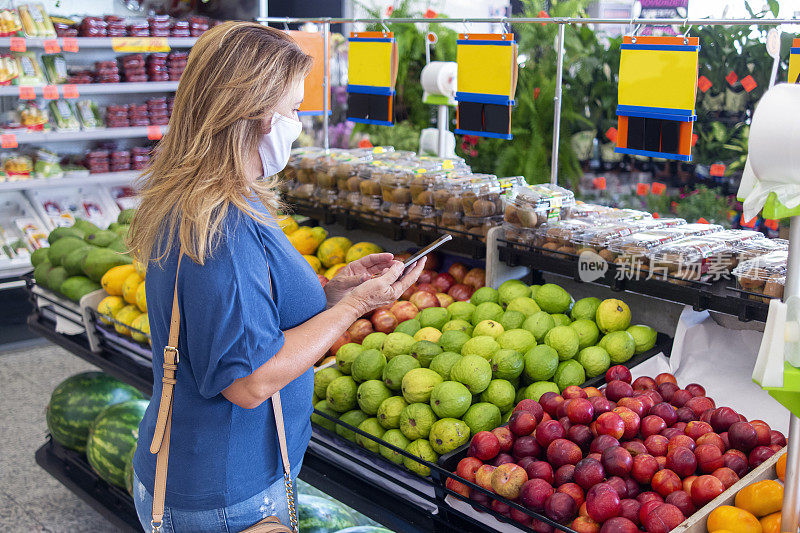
30	499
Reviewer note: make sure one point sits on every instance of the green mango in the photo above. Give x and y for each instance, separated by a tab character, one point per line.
73	261
60	248
39	256
56	277
118	246
84	225
40	273
126	216
61	232
100	238
76	287
100	260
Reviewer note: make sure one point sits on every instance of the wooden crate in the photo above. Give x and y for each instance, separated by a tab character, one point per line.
697	522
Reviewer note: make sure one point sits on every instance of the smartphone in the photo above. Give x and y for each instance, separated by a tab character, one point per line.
419	254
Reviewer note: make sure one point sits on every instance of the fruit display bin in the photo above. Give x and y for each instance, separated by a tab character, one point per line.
720	295
66	314
697	522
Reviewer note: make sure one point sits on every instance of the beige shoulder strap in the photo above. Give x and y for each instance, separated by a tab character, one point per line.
161	435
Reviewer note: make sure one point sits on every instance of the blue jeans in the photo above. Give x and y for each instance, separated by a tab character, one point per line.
236	517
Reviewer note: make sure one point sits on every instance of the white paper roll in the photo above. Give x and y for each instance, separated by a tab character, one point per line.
439	77
773	161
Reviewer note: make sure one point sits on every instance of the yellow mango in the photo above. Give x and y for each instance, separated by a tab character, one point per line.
306	240
113	280
126	316
314	262
140	324
110	306
129	287
141	268
334	251
761	498
141	298
733	519
332	271
361	249
288	224
771	523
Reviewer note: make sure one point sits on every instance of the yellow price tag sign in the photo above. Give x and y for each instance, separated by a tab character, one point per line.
140	44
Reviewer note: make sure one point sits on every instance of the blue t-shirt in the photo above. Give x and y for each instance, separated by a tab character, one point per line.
231	324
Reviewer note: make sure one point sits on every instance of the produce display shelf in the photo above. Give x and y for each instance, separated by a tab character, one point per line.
72	470
395	228
720	296
105	178
95	42
124	87
98	134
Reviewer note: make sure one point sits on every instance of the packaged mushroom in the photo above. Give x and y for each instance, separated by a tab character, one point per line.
763	275
690	259
532	206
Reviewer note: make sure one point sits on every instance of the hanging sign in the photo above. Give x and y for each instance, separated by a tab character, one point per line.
657	90
313	44
487	81
372	73
794	62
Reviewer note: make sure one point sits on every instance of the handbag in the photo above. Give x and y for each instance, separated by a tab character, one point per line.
160	444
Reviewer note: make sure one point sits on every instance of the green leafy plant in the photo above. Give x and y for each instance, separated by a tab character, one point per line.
703	203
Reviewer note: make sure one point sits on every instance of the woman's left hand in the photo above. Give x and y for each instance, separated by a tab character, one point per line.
356	273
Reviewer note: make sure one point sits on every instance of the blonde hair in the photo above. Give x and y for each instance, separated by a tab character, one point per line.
237	74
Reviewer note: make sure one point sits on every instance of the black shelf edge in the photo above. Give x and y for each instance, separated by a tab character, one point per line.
71	470
715	296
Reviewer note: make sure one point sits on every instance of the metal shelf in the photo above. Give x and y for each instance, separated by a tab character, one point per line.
85	135
109	178
95	42
124	87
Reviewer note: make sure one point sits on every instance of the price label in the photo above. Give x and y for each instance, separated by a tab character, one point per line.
51	46
702	220
50	92
70	44
750	223
611	134
18	44
658	188
140	44
731	78
717	170
642	189
656	215
8	140
70	91
26	93
749	83
694	138
771	224
543	15
154	133
703	84
430	14
599	183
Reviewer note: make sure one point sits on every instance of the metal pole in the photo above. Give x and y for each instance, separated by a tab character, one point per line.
546	20
441	124
557	105
326	94
790	513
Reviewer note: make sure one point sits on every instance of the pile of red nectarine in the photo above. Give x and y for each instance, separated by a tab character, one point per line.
432	289
642	455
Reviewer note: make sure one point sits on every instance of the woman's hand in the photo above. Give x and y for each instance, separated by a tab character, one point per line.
354	274
384	289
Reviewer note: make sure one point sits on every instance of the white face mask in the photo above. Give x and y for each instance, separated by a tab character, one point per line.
276	146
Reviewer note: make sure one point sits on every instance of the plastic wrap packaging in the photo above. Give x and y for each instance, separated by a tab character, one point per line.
329	169
35	20
306	176
9	69
765	275
55	67
422	187
641	243
745	244
32	116
561	235
10	24
47	165
89	114
691	259
396	190
63	116
598	238
30	71
532	206
583	210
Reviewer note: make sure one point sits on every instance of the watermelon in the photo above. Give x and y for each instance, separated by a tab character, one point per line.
129	471
318	515
111	439
77	401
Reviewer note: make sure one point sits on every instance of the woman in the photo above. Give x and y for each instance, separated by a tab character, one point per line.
253	316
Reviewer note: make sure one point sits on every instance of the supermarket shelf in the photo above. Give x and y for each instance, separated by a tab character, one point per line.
85	135
72	470
108	178
95	42
104	88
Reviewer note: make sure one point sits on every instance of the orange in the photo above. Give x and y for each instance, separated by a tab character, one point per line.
761	498
780	467
771	523
733	519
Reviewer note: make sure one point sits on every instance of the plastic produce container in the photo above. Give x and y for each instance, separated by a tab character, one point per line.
395	182
532	206
764	275
690	259
561	234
